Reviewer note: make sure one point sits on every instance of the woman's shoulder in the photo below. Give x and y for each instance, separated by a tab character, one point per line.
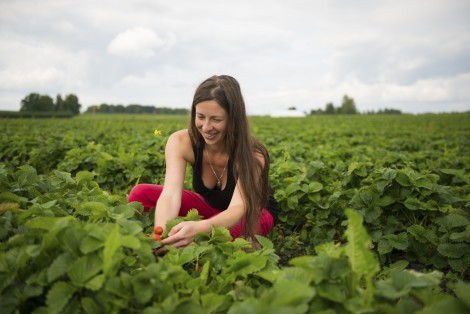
180	135
181	141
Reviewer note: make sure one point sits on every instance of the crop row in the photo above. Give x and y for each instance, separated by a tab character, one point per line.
407	178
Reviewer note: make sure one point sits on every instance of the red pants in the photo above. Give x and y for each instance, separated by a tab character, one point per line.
148	194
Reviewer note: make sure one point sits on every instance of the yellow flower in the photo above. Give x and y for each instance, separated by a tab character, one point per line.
157	132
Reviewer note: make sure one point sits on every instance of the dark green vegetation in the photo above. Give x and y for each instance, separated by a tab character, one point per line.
374	219
35	103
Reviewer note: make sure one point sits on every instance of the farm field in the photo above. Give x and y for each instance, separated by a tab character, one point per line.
374	218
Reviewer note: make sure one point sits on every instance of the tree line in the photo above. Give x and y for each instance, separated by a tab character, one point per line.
135	109
35	102
348	106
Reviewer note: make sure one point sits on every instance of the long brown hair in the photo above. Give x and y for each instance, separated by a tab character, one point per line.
242	146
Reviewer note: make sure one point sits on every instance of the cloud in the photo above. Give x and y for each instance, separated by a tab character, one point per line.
138	42
33	66
412	55
425	95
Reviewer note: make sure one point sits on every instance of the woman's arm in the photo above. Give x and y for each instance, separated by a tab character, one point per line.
231	216
176	158
183	233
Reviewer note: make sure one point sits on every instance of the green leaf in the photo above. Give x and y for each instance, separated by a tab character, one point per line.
84	268
59	266
461	264
27	176
130	226
397	266
414	204
213	303
94	209
96	282
219	235
461	236
112	244
398	241
130	241
462	291
252	306
84	176
58	296
361	259
386	200
44	223
287	292
193	215
265	242
90	244
451	221
64	176
403	179
368	197
453	250
246	264
384	246
123	212
90	306
424	183
314	187
422	234
11	197
459	173
292	188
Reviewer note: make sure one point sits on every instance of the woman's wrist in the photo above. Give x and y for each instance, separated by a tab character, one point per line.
205	226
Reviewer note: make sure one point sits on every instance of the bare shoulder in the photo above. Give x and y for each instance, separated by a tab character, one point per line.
180	136
179	142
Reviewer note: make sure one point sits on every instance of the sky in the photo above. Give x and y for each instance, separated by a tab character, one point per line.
410	55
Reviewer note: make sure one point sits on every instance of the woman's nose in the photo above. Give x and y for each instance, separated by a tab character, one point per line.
206	126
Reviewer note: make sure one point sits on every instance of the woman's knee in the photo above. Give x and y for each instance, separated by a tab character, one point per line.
146	194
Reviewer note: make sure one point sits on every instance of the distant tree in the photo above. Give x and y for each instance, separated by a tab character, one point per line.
71	104
292	108
348	106
330	108
315	112
391	111
35	102
59	103
29	102
44	103
135	109
120	109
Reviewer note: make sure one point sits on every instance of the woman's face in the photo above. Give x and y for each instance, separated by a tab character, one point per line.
211	121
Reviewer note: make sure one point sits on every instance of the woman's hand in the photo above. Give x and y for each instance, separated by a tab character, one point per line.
184	233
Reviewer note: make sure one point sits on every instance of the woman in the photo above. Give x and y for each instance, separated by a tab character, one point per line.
230	170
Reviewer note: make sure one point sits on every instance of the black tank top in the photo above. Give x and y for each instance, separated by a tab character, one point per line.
220	199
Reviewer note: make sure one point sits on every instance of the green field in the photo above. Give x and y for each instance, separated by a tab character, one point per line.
374	219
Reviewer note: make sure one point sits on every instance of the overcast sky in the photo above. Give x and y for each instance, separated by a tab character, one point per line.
412	55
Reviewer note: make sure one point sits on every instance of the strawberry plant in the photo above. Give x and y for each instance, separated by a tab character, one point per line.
372	219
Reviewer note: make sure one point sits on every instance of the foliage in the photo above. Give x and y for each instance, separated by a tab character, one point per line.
36	114
135	109
68	246
44	103
348	106
372	219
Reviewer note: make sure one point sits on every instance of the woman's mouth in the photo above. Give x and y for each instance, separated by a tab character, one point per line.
210	136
